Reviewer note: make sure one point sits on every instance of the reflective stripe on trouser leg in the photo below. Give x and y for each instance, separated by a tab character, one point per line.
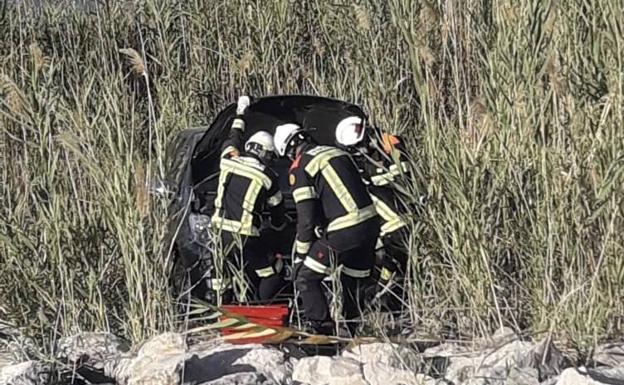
355	273
316	266
302	247
308	282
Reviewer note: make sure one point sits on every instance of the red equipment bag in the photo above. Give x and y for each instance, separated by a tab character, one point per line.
264	315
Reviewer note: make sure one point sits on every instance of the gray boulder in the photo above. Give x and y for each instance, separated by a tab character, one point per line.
88	354
93	349
512	362
598	376
321	370
241	379
15	347
167	359
215	359
611	354
384	354
371	364
25	373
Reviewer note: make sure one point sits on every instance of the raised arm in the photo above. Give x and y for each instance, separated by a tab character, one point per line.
232	145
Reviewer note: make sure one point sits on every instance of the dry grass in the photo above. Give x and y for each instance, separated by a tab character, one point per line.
513	109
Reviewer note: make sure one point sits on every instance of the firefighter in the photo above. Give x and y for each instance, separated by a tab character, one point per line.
380	158
246	187
337	223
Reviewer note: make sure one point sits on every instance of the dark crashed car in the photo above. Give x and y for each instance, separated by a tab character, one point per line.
193	172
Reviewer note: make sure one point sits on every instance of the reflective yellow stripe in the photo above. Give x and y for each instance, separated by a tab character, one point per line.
316	266
404	167
387	177
382	179
352	219
391	226
302	247
385	274
302	193
227	150
248	206
247	171
341	191
238	123
392	220
321	159
265	272
355	273
275	199
233	226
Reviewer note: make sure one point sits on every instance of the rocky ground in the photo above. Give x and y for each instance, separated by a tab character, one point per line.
172	358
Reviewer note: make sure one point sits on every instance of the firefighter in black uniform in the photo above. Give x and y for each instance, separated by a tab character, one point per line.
337	224
381	160
246	187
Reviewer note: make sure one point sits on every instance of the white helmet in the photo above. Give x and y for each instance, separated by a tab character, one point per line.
261	144
284	134
350	131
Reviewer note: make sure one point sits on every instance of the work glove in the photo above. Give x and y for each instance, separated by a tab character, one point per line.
243	102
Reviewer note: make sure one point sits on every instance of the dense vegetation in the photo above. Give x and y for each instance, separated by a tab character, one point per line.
514	112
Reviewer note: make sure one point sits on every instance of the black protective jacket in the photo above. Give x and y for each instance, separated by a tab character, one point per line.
328	192
246	188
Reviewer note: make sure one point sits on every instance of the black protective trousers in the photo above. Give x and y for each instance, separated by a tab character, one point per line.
254	254
353	247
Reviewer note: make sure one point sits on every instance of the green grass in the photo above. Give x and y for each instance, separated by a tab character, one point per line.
513	111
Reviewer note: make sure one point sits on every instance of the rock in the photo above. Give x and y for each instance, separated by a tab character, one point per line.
15	347
611	354
166	359
386	363
572	376
158	362
522	376
598	376
25	373
88	354
493	365
321	370
241	379
384	354
376	365
93	349
213	360
608	375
